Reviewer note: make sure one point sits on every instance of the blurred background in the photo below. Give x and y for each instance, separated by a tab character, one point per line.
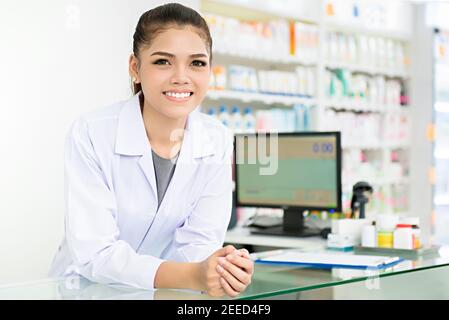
378	71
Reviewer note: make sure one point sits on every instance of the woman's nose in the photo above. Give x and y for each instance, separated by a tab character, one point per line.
180	76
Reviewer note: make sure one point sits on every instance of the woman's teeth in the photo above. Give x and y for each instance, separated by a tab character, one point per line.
178	95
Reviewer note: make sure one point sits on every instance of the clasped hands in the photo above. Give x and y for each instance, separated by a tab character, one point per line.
228	271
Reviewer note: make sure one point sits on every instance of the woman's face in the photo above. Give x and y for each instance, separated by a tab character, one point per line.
174	72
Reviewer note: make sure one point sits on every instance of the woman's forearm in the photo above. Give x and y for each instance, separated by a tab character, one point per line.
181	275
231	278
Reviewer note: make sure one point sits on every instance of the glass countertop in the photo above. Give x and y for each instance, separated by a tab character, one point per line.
425	284
268	281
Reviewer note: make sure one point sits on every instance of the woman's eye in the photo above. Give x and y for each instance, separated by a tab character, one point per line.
161	62
199	63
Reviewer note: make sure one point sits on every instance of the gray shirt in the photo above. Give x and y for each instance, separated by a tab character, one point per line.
164	170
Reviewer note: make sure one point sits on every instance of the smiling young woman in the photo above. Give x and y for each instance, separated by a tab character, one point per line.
173	72
148	180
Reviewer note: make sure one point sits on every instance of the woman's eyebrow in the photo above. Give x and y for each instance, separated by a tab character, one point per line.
162	53
170	55
198	55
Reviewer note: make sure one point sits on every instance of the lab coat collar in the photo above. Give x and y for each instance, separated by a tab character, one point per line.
132	139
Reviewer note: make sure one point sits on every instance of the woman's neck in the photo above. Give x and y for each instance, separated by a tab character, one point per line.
165	134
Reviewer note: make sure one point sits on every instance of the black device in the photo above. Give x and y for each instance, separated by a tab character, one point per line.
361	193
307	176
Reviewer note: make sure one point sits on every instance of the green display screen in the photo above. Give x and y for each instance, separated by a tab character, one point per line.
294	170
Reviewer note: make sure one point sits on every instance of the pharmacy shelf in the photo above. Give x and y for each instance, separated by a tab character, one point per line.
379	181
441	200
259	97
377	146
371	70
442	107
261	60
442	64
441	154
397	145
356	106
395	181
363	146
261	10
262	57
335	27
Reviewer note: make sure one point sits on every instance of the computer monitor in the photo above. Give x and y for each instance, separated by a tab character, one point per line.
295	171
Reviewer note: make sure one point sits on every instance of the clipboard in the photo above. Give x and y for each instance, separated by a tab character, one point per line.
329	260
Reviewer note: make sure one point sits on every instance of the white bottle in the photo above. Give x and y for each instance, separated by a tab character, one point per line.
224	117
248	121
403	237
416	231
310	76
368	236
236	120
212	112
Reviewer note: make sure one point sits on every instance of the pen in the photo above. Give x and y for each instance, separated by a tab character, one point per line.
392	259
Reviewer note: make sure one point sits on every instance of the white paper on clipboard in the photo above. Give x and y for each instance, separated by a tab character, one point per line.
330	260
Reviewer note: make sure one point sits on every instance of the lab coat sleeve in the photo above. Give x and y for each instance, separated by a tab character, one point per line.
204	230
91	220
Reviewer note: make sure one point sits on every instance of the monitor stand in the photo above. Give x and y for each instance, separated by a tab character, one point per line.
293	226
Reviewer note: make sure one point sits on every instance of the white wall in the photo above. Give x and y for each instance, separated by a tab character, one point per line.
58	59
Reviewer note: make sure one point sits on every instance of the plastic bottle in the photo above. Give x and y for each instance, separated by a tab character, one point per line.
386	224
212	112
224	116
236	120
369	235
414	222
310	76
403	237
352	49
307	117
416	236
248	121
219	73
212	82
403	95
299	114
301	80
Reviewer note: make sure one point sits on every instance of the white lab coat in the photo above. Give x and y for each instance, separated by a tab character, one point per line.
114	232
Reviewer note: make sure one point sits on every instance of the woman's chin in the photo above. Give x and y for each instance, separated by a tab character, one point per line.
177	112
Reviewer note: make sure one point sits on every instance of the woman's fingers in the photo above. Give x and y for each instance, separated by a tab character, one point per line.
245	253
242	262
225	250
231	280
242	275
235	269
227	288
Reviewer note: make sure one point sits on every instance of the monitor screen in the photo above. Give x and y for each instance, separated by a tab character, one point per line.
299	170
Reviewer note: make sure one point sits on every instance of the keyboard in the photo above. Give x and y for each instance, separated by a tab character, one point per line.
265	221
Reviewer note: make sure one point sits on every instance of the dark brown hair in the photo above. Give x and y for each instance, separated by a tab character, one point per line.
162	18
